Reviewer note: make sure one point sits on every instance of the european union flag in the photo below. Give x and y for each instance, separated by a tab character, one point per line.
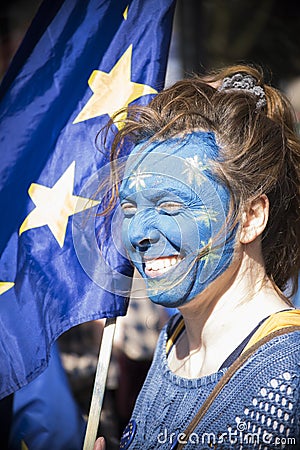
80	62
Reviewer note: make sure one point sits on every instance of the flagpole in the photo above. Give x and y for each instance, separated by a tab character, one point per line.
99	384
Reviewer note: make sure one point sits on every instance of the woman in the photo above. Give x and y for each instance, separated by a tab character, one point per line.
210	197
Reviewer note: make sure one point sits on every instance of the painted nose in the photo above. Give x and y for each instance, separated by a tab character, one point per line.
142	234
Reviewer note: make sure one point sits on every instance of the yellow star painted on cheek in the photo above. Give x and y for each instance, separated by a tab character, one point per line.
113	91
55	205
5	286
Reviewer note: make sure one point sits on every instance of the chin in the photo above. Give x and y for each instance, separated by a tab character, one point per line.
167	301
170	297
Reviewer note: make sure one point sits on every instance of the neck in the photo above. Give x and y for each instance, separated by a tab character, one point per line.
221	317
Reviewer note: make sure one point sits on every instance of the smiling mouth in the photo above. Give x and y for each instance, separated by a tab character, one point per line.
160	266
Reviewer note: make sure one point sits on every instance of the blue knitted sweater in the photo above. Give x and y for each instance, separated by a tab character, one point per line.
258	409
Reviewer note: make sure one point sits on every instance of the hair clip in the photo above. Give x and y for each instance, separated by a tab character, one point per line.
247	83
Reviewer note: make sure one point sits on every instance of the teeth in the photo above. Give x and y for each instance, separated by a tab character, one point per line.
173	261
162	263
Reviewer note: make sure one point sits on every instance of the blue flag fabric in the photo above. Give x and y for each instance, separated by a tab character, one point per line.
79	63
45	414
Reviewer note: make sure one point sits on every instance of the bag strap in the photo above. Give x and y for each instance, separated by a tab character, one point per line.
227	376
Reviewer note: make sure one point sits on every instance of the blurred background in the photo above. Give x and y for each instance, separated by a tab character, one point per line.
206	34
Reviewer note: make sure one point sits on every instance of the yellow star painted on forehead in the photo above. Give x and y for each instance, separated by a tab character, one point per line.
113	91
55	205
137	179
5	286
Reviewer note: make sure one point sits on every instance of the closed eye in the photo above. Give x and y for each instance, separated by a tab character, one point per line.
128	208
170	207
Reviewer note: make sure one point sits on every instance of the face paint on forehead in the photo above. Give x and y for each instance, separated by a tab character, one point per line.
174	217
197	149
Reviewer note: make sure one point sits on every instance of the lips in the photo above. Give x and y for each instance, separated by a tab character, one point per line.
158	267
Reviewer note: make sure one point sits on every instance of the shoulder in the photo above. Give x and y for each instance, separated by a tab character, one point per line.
282	347
273	369
279	355
264	394
273	372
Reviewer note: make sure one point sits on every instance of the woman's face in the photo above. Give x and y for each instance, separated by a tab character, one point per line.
174	217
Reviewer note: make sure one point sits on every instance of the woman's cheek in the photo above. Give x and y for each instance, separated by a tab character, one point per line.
171	230
182	232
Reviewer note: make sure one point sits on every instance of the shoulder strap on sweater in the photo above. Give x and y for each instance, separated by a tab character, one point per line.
258	339
281	319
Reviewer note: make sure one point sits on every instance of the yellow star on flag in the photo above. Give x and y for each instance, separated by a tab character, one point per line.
24	446
113	91
55	205
5	286
125	13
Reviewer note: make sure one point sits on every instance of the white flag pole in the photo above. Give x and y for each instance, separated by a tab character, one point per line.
99	384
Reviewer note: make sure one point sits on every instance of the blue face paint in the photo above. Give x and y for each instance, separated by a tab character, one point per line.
174	217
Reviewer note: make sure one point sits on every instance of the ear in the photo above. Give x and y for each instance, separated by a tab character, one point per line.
254	219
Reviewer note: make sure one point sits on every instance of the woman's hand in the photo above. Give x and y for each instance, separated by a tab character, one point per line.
100	444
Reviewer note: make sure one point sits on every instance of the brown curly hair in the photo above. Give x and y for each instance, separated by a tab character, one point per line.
259	147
